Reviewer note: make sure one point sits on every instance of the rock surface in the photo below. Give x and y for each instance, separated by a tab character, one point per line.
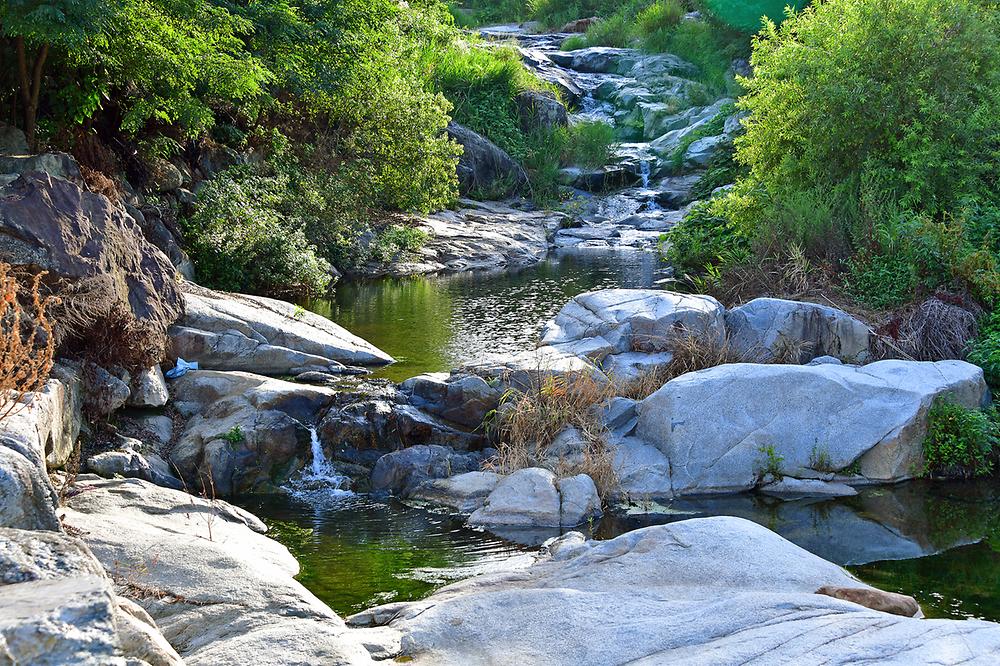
484	166
148	389
402	472
51	224
769	328
220	592
256	334
717	426
701	591
534	497
245	432
463	492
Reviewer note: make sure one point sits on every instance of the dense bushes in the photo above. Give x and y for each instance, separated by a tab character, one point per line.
873	145
960	442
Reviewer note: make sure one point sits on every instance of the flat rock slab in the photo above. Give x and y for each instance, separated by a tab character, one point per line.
221	592
707	591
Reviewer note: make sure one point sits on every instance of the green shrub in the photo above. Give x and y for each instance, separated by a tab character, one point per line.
960	442
881	281
705	237
397	241
985	349
239	241
589	143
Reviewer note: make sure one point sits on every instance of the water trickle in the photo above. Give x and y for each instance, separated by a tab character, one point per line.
644	171
320	481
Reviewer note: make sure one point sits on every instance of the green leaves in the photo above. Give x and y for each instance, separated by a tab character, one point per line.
960	442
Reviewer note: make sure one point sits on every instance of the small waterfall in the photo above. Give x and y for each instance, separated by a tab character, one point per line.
320	481
644	170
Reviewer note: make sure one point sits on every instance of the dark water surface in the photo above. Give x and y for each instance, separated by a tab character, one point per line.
433	324
939	543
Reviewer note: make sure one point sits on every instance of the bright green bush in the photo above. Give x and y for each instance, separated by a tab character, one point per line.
960	442
985	349
395	242
239	241
589	144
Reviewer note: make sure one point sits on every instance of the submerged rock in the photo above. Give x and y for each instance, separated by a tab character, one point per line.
715	590
723	428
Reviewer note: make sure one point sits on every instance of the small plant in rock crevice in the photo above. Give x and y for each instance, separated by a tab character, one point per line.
234	435
771	464
820	460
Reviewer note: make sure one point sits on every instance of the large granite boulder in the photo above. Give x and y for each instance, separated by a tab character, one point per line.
535	497
708	591
221	592
484	166
465	399
262	335
121	283
769	328
629	331
57	607
245	433
721	429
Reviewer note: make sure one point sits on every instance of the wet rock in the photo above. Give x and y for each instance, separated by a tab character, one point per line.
463	492
789	488
602	179
879	600
464	399
402	472
47	223
369	424
245	433
717	425
148	389
483	166
722	573
770	328
418	427
635	319
263	335
226	595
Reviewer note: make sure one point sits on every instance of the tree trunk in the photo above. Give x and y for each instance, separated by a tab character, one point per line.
31	86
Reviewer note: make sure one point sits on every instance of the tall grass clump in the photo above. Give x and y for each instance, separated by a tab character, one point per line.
27	339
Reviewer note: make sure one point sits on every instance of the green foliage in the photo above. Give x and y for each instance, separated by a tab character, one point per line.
397	241
771	463
240	240
588	143
705	237
234	436
960	442
985	349
713	127
745	15
820	460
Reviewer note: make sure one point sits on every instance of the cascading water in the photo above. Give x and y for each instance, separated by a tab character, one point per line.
320	481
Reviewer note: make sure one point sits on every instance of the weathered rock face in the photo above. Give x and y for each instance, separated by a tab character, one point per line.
57	607
478	236
768	328
58	165
402	472
164	176
716	426
463	492
722	600
263	335
12	141
51	224
148	389
483	165
621	321
462	399
534	497
247	433
228	593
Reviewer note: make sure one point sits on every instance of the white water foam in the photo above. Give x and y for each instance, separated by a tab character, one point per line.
320	482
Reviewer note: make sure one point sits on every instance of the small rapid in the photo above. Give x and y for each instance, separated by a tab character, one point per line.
320	482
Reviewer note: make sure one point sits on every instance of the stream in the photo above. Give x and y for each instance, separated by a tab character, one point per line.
938	542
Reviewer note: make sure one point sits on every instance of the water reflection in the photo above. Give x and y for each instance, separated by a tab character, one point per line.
433	324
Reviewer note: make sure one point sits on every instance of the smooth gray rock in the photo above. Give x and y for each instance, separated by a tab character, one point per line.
483	165
59	165
714	426
630	366
402	472
534	497
540	110
642	469
790	488
636	319
463	492
263	335
702	151
708	591
767	328
148	389
464	399
225	594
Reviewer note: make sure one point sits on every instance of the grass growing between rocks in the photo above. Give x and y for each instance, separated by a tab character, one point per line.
529	420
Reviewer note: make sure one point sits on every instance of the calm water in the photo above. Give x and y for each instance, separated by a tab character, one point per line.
434	324
938	543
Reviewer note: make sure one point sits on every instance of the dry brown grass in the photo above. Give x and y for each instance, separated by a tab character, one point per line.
27	341
528	421
939	328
